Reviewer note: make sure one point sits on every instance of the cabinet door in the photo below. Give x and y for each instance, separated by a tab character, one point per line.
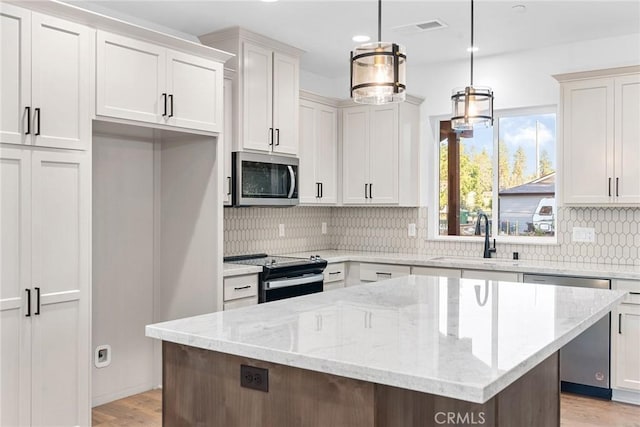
308	186
285	103
326	153
15	72
195	89
130	79
61	85
227	140
355	155
588	141
60	268
627	350
15	278
503	276
627	134
383	155
257	99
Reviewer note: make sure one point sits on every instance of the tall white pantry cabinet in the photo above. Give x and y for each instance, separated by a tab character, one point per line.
44	219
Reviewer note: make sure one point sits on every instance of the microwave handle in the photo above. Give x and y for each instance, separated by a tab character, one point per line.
293	181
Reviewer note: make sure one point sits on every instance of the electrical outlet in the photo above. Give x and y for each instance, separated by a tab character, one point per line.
583	234
102	357
281	230
412	230
255	378
324	228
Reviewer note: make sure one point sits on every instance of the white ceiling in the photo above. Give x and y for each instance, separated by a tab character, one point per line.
324	28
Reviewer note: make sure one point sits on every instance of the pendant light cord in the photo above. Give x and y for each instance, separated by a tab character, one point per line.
379	21
472	45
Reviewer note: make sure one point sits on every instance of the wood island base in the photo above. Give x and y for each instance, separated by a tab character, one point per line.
202	388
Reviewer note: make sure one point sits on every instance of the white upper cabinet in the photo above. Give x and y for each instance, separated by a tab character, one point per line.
227	139
45	90
318	153
600	122
146	82
267	90
380	154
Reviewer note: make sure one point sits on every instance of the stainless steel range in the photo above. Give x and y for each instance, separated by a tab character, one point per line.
285	277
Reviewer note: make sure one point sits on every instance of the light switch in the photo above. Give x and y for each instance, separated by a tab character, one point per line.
324	228
281	230
412	230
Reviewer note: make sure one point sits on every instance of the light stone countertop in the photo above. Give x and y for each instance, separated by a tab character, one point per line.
460	338
631	272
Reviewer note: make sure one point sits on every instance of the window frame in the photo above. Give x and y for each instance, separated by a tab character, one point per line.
433	194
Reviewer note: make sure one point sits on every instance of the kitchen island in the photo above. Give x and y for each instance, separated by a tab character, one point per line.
415	351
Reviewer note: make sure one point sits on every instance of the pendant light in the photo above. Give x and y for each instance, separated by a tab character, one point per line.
472	105
378	70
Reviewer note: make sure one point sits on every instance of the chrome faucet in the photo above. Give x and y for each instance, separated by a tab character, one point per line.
488	250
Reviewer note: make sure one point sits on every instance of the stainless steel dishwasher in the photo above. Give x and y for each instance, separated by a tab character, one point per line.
585	361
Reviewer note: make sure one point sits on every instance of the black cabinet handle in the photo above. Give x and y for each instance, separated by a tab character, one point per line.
28	303
164	101
317	190
171	104
37	113
371	191
609	187
271	136
617	186
28	132
228	186
366	193
37	313
634	293
619	323
331	273
321	190
277	136
239	288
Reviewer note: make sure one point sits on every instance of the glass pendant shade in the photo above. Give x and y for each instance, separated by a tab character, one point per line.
471	106
378	73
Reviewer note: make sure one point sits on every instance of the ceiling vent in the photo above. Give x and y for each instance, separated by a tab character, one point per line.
411	29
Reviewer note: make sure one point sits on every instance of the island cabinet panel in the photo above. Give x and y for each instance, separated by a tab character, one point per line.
202	387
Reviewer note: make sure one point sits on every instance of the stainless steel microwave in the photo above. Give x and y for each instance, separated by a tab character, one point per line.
264	180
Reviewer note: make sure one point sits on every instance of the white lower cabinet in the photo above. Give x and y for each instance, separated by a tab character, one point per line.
240	291
503	276
44	287
436	271
625	340
377	272
334	276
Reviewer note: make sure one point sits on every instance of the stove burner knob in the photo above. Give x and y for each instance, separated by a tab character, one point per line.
312	257
273	261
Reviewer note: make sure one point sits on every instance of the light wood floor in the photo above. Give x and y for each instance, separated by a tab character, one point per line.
576	411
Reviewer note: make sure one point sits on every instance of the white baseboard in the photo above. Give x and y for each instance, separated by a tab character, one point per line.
106	398
626	396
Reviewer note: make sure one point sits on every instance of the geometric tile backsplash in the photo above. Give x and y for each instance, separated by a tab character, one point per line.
384	229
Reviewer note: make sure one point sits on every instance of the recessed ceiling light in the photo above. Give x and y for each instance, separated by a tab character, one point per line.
361	38
269	1
472	49
519	8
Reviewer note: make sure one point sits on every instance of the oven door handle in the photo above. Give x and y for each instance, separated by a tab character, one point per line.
296	281
293	181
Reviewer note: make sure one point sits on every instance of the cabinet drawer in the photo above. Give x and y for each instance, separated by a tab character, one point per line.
375	272
503	276
334	272
633	287
436	271
240	287
244	302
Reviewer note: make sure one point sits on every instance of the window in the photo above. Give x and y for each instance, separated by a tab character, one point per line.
506	172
